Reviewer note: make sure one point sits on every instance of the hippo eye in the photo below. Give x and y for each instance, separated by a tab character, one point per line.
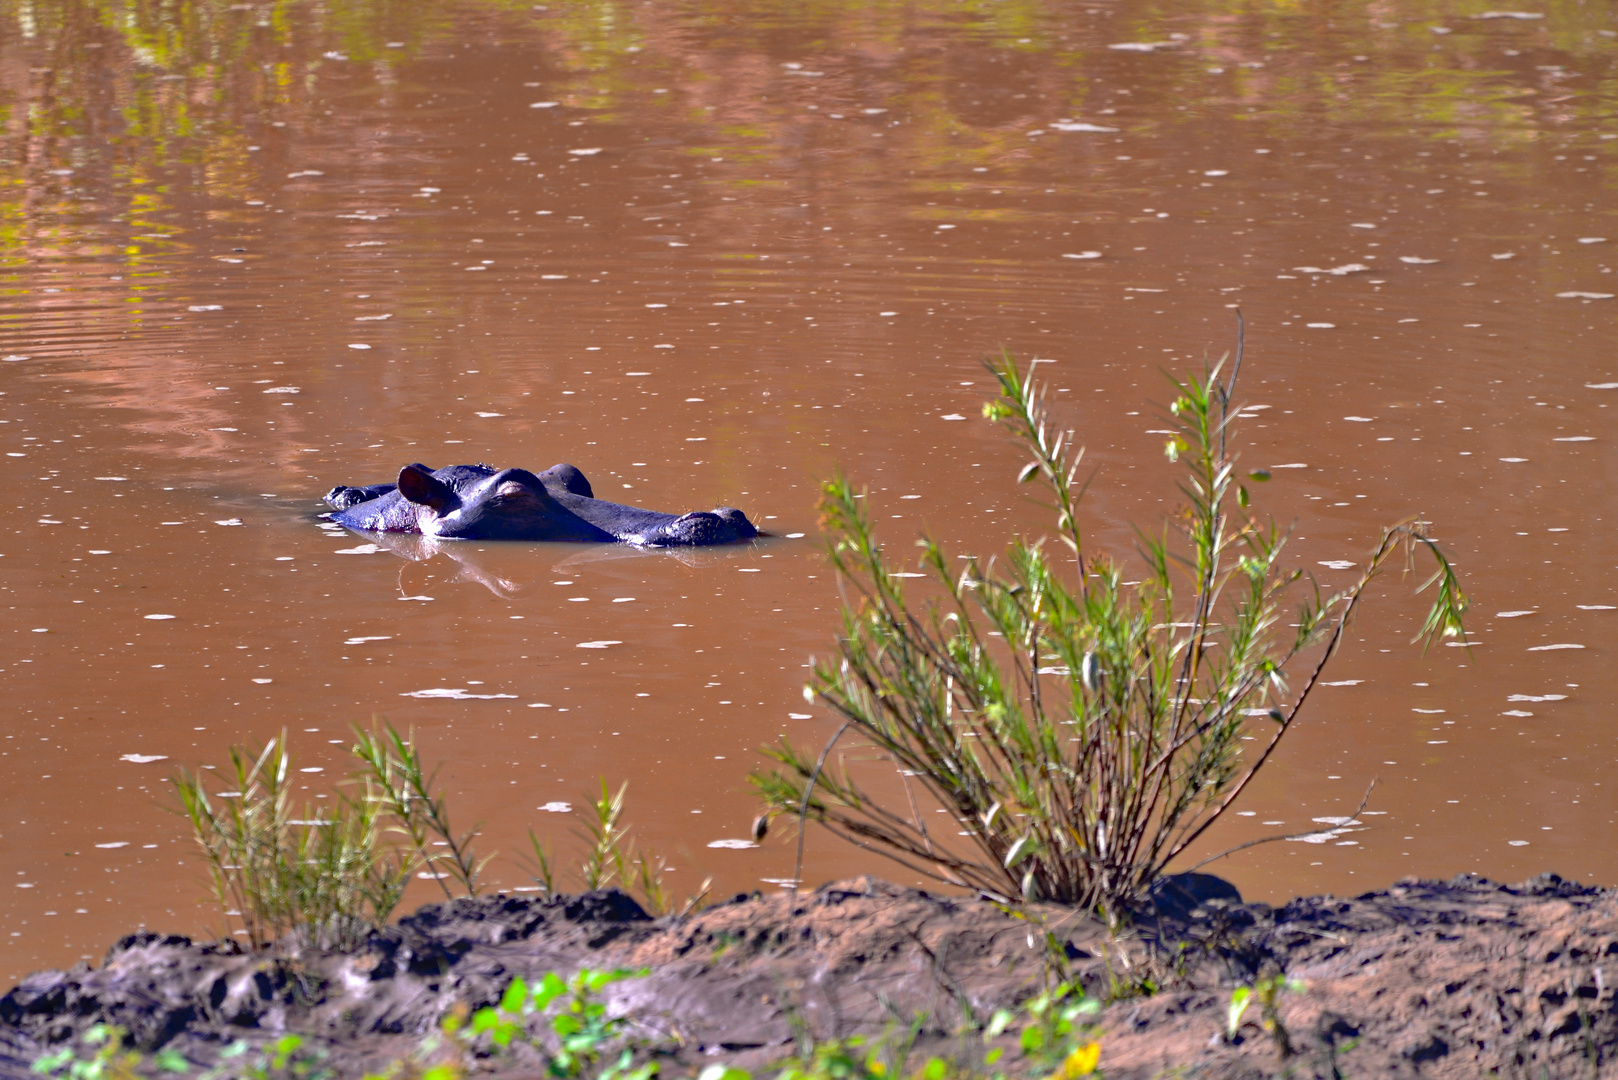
511	490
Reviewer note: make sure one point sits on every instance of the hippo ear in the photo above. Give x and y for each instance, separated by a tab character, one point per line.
420	486
569	478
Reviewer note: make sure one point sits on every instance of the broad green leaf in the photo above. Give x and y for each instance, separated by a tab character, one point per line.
514	997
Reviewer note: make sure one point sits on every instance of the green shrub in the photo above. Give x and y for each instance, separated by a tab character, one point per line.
1084	731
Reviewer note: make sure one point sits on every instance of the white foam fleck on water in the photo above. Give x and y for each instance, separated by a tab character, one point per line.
1581	607
1082	255
456	694
264	682
1344	682
229	521
1517	843
1338	564
1515	614
1504	255
114	844
1360	419
952	416
736	845
364	549
1537	697
1514	460
1592	239
1335	271
206	307
557	808
1584	295
597	644
489	415
143	759
1516	712
363	640
588	151
1416	260
158	618
1428	712
1553	648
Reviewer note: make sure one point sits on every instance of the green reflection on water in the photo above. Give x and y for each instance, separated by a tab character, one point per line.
121	110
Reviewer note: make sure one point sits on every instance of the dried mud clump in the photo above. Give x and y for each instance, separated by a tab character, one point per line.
1460	979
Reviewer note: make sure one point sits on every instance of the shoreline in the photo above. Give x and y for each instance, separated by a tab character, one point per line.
1425	978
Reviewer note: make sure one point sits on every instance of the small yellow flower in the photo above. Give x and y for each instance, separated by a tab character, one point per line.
1081	1062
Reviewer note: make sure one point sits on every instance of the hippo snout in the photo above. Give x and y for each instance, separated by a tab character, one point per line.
722	526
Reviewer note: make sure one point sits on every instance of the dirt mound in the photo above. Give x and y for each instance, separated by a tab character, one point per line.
1456	979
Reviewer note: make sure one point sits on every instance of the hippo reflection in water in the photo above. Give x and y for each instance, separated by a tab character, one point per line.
478	502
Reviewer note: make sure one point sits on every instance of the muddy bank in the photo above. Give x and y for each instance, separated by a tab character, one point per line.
1435	979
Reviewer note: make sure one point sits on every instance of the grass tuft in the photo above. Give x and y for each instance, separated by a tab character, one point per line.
324	877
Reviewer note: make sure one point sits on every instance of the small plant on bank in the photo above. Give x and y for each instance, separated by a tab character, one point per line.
99	1054
1083	730
1051	1036
612	858
325	875
1266	992
393	764
583	1040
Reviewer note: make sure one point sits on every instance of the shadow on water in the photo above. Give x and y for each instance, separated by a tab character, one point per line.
508	568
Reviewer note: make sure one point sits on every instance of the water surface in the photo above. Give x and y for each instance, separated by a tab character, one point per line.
707	253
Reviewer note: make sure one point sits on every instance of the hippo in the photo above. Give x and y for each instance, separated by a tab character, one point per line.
480	502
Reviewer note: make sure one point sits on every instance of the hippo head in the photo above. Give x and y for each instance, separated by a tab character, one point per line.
512	504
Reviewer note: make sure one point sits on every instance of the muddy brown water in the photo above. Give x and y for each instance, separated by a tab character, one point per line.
707	253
